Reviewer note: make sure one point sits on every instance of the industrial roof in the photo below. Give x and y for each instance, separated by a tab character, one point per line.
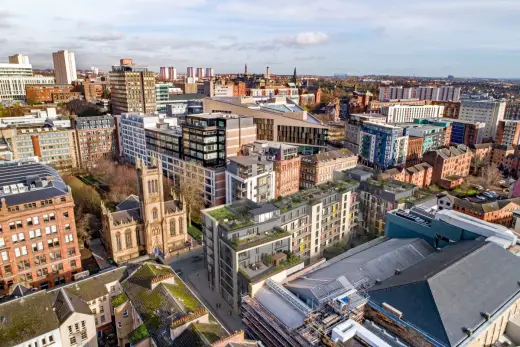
452	290
362	267
280	307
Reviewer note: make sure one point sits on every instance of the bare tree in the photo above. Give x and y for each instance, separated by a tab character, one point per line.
191	186
491	176
88	226
477	163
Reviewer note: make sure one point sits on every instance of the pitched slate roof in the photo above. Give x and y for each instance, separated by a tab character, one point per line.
449	290
131	202
67	303
485	207
95	286
26	318
127	216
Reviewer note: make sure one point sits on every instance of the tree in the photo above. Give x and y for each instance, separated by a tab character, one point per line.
491	177
191	187
478	162
87	226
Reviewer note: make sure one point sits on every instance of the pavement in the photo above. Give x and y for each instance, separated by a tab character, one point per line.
195	276
99	253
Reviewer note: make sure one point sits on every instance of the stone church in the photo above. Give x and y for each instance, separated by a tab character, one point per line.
145	224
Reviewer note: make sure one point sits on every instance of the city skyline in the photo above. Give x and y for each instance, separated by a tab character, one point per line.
320	38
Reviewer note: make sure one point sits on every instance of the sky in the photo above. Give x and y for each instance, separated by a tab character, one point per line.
471	38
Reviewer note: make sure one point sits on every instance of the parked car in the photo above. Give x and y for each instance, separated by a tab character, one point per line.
493	193
487	194
480	197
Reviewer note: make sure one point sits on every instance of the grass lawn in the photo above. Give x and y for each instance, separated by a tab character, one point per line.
195	233
461	192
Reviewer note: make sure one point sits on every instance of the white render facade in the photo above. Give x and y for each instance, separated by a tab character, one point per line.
13	87
486	111
407	113
64	67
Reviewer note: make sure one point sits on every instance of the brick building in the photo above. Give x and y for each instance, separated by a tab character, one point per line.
499	153
419	175
38	243
450	165
451	109
95	139
318	169
498	212
415	150
65	97
44	93
508	132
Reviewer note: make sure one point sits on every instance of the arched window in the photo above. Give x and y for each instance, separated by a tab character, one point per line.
137	238
181	226
172	227
128	239
154	213
119	248
155	231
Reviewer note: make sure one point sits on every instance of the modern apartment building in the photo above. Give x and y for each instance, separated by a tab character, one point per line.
163	91
38	244
287	164
95	139
450	165
353	126
200	73
210	73
14	78
132	88
278	119
382	145
190	72
19	59
376	105
443	93
512	111
246	241
467	132
407	113
319	168
488	112
508	133
172	73
250	178
54	146
433	136
64	67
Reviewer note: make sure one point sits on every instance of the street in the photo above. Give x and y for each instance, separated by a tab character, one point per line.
194	274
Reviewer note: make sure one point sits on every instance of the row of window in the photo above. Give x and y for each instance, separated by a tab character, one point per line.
34	220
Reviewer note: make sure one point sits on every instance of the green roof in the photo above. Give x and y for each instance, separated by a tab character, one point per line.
26	318
244	244
138	335
119	300
210	332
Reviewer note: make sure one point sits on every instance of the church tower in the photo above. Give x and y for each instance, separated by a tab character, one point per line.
151	196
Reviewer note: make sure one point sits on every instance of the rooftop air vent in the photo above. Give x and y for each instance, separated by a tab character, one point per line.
397	271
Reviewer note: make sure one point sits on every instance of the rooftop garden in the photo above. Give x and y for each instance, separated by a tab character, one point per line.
256	240
291	261
210	332
234	221
119	300
138	335
184	295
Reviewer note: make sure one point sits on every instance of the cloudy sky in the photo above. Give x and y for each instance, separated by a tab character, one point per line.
399	37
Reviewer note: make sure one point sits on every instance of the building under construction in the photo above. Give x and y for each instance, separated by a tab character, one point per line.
325	305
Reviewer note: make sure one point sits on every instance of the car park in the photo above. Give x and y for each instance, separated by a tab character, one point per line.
480	197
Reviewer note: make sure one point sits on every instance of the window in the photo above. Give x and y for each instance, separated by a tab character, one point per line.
69	238
47	230
119	247
12	226
2	242
54	229
101	309
56	242
38	233
172	227
36	222
181	227
45	217
31	234
71	251
66	214
128	239
17	252
125	313
72	340
103	319
51	339
24	250
14	238
29	221
52	216
5	257
67	227
21	237
40	246
154	213
19	224
119	325
44	341
7	270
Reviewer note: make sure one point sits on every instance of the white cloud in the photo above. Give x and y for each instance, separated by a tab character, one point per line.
311	38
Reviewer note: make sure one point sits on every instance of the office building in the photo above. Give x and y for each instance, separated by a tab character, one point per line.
287	164
132	89
164	73
95	138
319	168
145	224
53	145
246	241
450	165
200	73
209	139
468	282
488	112
407	113
250	178
508	133
64	67
190	72
278	119
163	91
325	305
382	145
7	70
181	105
467	132
13	87
19	59
39	241
443	93
210	73
376	105
172	73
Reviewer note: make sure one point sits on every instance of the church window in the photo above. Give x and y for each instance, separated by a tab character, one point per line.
128	239
155	231
181	226
172	227
137	238
154	213
119	248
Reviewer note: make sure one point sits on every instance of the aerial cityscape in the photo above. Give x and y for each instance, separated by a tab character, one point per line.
246	173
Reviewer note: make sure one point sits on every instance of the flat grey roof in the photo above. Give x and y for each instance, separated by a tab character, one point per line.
280	308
